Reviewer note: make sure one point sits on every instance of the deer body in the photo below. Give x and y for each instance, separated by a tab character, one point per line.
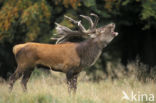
69	57
58	57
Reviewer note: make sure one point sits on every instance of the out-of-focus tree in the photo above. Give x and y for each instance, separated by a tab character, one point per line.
24	19
67	3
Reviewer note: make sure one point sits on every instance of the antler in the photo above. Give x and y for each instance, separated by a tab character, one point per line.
65	33
96	20
93	24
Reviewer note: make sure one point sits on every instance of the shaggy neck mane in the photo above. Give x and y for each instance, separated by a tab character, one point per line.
88	51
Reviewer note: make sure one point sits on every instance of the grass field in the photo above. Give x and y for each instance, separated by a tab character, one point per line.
52	89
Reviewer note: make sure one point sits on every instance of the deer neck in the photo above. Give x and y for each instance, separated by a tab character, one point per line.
89	51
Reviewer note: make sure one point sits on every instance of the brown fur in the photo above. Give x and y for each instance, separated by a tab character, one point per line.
16	48
60	56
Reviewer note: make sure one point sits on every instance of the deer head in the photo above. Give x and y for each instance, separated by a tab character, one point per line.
106	34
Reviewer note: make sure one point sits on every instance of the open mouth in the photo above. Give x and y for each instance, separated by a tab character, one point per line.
115	33
112	30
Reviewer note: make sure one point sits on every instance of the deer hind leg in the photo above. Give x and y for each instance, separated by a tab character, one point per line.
72	82
25	78
16	75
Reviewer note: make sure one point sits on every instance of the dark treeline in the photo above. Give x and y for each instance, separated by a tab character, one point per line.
30	20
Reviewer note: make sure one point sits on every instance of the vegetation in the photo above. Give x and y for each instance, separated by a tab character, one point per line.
51	88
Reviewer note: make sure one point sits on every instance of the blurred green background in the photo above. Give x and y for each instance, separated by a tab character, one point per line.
33	20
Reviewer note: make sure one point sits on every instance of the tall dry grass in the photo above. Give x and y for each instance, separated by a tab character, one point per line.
51	88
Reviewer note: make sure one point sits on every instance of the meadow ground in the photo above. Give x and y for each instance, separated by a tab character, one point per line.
51	88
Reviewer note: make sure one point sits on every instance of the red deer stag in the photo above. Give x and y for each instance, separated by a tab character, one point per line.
67	57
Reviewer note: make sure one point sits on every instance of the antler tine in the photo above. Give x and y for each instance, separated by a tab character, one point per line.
59	27
81	27
92	14
96	20
62	30
63	33
60	39
70	19
89	19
